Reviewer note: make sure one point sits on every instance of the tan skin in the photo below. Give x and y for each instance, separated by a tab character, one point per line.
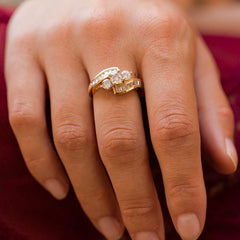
64	45
223	19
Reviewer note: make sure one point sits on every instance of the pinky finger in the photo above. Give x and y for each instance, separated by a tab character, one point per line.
215	114
26	104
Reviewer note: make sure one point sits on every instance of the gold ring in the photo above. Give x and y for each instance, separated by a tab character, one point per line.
113	79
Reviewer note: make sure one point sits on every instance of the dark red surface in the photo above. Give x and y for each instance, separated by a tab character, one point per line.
27	212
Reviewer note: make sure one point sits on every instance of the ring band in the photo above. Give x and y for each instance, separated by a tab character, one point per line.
112	78
122	88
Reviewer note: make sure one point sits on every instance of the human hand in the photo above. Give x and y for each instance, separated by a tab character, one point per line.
56	47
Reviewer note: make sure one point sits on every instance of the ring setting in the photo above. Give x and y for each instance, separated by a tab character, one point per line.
112	78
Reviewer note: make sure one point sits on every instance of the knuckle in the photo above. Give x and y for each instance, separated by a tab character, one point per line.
118	140
35	162
23	39
71	136
226	113
118	137
165	25
102	23
20	33
136	208
174	21
99	195
22	114
178	191
173	124
55	32
167	35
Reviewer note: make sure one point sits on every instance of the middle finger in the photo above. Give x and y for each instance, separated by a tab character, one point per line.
74	137
173	120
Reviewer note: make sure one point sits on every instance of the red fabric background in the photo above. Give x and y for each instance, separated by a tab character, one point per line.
27	212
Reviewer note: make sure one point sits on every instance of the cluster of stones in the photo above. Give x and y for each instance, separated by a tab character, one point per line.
103	75
116	79
127	86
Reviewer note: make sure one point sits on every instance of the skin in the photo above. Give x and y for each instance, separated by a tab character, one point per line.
219	20
56	49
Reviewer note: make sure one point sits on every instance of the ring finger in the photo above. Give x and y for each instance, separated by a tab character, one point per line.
123	149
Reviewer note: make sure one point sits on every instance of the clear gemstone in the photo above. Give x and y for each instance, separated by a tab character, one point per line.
113	72
106	73
103	75
126	75
106	84
116	78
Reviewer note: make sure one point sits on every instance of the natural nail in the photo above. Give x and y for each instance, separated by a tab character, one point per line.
231	151
146	236
110	228
56	188
188	226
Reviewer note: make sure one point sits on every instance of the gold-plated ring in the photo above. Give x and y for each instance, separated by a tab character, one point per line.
119	82
124	87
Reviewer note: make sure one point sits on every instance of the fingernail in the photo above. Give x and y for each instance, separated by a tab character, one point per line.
188	226
146	236
231	151
110	228
56	188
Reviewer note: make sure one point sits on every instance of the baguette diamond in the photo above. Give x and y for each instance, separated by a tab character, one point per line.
132	84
